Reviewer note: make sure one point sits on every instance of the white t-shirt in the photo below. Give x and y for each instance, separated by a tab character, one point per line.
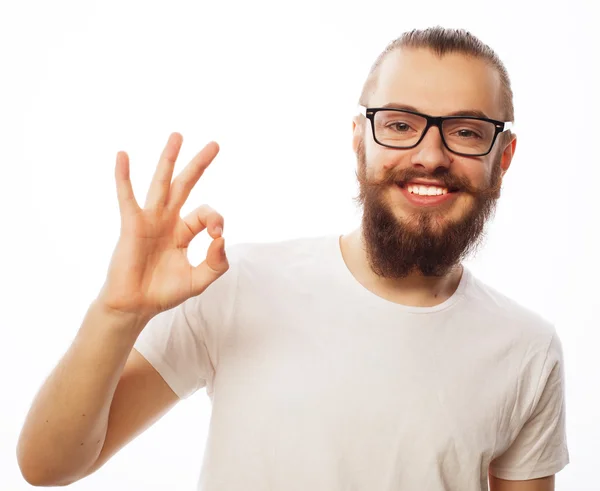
318	384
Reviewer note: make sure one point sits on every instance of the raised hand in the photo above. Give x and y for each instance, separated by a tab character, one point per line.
149	271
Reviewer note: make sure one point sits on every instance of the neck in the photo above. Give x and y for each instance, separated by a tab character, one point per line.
413	290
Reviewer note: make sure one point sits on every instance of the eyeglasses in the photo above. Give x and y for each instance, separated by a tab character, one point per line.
463	135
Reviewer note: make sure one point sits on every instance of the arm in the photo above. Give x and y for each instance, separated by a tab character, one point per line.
539	450
541	484
140	387
101	394
82	414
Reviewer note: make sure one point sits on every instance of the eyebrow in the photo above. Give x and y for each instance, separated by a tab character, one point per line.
467	112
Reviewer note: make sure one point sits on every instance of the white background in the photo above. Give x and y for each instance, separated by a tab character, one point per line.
275	84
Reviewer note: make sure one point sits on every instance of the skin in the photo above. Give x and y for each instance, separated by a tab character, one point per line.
439	87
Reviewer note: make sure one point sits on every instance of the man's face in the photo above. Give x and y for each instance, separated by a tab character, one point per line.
405	234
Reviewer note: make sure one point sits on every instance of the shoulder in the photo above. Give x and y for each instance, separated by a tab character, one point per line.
267	251
268	263
503	314
253	257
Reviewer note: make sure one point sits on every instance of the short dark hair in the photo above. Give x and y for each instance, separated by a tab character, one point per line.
441	41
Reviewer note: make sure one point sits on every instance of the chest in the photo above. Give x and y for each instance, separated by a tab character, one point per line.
368	389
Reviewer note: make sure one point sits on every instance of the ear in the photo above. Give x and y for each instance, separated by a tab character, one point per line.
356	132
508	154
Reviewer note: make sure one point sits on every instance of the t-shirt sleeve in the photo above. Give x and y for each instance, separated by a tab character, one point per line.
540	448
182	344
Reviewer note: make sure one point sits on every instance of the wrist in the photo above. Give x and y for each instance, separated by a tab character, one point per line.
121	320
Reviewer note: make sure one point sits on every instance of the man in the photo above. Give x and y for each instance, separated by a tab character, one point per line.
371	361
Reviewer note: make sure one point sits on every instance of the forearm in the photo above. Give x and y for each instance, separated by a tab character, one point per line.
65	428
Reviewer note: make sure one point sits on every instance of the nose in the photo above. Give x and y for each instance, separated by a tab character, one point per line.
431	153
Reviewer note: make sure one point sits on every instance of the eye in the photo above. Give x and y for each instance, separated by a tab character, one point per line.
467	134
399	126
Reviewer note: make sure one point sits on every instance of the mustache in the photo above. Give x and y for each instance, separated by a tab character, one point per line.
398	175
453	182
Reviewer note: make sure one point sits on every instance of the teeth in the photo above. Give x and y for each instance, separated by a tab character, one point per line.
426	190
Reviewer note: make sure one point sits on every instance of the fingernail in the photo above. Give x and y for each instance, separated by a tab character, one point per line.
218	230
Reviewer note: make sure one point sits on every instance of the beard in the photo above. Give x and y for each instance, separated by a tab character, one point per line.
425	242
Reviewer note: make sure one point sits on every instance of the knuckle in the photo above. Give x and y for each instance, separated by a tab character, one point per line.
211	214
205	209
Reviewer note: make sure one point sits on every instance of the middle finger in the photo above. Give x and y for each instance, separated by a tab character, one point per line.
187	179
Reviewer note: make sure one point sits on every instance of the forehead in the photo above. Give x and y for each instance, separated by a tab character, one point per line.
438	86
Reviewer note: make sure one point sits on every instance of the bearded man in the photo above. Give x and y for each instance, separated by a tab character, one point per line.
369	361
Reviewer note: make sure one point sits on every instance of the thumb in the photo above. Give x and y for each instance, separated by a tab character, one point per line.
214	266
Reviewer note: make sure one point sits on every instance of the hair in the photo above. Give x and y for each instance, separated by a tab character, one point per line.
441	41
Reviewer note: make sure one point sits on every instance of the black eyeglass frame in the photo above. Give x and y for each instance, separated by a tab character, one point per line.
369	113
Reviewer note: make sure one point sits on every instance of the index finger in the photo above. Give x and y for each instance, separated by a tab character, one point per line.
161	181
184	183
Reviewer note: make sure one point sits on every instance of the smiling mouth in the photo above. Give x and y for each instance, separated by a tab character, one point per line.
426	189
